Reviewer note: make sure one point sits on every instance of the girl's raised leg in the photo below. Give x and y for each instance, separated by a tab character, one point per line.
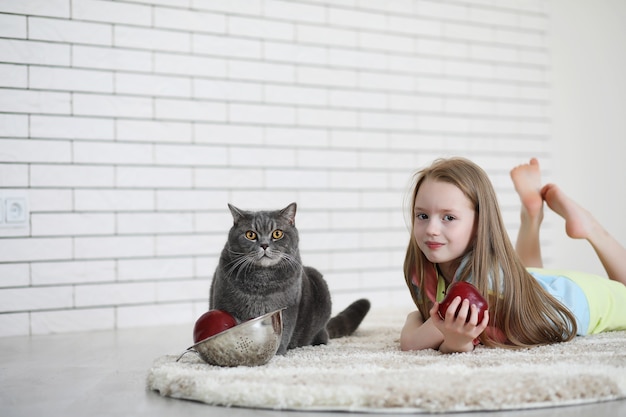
527	181
580	224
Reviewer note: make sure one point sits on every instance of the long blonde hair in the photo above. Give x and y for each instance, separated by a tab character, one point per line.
518	305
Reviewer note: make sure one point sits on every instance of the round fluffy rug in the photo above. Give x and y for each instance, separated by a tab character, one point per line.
367	372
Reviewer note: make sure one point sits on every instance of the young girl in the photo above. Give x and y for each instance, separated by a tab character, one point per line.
458	235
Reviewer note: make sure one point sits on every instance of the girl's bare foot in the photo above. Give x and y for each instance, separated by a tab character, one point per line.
579	223
527	181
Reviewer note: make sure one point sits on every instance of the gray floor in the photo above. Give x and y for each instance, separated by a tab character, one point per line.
103	374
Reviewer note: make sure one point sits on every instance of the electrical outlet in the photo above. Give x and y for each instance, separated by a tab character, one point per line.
14	210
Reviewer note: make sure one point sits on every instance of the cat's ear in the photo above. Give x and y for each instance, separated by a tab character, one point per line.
237	214
290	213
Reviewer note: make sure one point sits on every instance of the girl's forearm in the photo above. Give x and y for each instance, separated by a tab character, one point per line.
444	348
418	335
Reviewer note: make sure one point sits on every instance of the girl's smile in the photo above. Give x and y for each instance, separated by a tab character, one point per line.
434	245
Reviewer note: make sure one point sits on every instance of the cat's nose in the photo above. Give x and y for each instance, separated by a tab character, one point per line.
264	245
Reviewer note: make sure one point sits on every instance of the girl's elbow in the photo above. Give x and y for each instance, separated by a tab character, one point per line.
404	342
409	344
404	346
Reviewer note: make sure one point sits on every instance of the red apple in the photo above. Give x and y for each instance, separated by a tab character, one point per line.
465	290
211	323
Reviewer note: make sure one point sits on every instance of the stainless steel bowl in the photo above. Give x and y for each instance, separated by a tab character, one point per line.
251	343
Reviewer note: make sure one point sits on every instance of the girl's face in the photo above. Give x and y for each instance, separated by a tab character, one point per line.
443	225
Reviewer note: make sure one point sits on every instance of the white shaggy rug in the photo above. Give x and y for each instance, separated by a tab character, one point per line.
367	372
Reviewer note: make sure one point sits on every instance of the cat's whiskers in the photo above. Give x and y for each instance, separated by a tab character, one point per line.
290	261
243	262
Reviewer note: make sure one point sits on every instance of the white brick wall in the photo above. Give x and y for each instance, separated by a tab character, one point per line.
131	124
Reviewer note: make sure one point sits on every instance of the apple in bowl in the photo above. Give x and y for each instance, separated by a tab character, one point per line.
465	290
211	323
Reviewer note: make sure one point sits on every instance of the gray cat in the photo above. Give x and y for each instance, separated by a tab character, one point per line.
260	271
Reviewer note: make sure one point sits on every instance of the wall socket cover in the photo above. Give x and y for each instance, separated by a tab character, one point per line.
15	210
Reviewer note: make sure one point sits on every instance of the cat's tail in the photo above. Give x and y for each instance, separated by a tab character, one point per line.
346	322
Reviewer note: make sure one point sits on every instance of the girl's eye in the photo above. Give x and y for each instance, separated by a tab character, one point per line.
250	235
277	234
448	218
421	216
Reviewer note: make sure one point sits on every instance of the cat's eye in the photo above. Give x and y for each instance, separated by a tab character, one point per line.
250	235
277	234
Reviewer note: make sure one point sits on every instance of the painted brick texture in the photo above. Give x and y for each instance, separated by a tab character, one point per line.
129	125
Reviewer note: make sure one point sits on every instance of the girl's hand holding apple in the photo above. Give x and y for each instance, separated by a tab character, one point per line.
461	317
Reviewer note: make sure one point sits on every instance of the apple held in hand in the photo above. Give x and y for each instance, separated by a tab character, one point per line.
465	290
211	323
